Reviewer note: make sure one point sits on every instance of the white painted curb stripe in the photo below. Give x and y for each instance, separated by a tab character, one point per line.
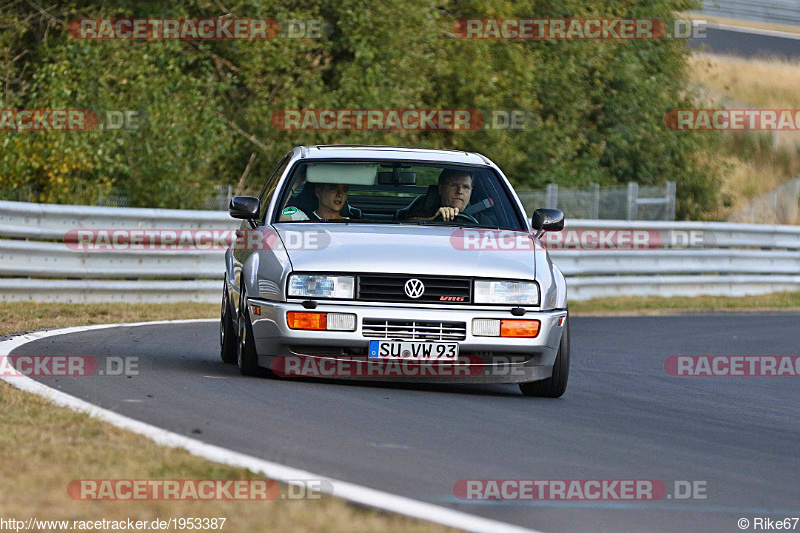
276	471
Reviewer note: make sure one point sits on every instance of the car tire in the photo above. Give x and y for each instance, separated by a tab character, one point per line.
554	386
246	355
227	333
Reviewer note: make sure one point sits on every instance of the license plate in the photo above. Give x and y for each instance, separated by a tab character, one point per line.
413	350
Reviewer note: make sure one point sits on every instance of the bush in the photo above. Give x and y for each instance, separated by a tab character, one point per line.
597	107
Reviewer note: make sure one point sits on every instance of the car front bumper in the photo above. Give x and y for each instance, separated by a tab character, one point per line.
482	359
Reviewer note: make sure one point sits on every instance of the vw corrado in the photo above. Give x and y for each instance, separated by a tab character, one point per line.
415	264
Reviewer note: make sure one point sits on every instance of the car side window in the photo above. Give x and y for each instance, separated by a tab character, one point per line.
269	188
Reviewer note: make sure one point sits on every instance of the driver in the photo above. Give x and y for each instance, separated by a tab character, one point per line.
455	190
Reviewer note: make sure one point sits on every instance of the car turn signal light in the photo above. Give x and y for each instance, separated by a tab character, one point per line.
321	321
519	328
302	320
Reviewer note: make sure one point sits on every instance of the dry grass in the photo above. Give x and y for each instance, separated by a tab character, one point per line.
28	316
45	447
746	180
766	83
757	162
779	301
25	316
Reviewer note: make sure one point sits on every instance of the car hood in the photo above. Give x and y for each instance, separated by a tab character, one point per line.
409	249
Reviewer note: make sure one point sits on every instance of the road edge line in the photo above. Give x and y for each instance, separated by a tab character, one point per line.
341	489
753	31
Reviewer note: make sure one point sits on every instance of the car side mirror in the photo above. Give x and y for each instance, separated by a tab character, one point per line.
244	207
547	220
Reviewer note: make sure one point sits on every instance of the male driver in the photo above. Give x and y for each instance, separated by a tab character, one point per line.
455	190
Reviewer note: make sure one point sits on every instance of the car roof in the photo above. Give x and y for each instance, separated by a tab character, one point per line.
347	151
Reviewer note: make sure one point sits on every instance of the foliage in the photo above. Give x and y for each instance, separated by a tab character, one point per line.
597	107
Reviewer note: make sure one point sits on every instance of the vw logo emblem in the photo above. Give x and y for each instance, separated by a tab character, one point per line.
414	288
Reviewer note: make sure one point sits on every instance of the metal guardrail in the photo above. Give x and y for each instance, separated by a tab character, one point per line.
33	254
56	260
50	221
689	259
774	11
36	264
713	234
98	291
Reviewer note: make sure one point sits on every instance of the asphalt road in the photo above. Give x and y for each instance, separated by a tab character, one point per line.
622	417
747	44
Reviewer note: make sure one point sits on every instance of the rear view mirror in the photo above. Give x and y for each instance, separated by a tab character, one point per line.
547	220
244	207
397	178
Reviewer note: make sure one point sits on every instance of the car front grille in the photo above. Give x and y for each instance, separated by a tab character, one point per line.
391	288
413	329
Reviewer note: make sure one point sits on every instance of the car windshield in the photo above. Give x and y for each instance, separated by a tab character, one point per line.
397	193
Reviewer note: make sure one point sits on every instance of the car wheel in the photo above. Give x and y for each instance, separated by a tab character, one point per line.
227	333
554	386
246	356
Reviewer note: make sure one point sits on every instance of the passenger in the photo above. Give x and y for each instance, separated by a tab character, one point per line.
331	199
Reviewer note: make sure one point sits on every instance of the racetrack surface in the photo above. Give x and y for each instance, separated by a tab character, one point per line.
747	43
622	417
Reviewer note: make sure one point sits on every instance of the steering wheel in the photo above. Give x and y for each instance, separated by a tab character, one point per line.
464	216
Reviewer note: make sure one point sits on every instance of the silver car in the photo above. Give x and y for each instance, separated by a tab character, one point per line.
392	263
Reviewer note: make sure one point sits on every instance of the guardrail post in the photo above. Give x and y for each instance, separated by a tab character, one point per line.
633	196
670	199
551	198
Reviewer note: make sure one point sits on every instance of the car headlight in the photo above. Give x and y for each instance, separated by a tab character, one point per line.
506	292
317	286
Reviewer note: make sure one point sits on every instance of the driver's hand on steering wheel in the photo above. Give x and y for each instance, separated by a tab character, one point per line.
447	213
